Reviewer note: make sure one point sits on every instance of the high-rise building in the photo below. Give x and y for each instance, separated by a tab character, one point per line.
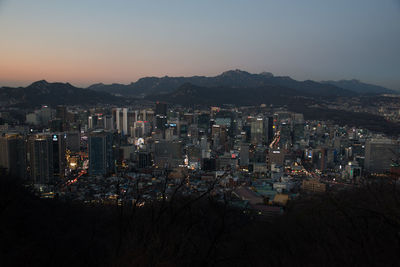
270	129
161	122
131	119
13	155
161	109
244	154
124	129
140	129
100	153
258	134
61	113
92	121
59	161
203	121
161	116
46	156
108	122
40	157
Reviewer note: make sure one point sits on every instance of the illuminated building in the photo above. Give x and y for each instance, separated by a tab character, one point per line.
40	151
59	162
261	130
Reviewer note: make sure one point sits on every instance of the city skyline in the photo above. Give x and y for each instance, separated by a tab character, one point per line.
121	42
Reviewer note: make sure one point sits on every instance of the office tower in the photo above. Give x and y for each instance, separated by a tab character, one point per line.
117	119
100	153
161	116
120	120
298	132
45	115
108	122
270	129
380	153
32	119
140	129
13	155
40	157
124	129
285	134
61	113
219	136
115	114
59	161
161	122
203	122
244	154
161	109
93	121
131	119
257	130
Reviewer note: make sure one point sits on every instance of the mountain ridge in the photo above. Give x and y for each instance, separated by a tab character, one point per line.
231	78
360	87
42	92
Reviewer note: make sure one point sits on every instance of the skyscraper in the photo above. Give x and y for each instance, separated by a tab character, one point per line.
124	129
59	161
40	156
100	153
161	109
161	116
13	154
258	133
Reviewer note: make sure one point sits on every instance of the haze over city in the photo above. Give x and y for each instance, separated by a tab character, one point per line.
87	42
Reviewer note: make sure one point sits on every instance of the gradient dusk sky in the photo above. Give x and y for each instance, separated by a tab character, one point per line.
85	42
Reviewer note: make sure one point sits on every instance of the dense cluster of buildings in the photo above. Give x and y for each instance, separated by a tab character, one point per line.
261	156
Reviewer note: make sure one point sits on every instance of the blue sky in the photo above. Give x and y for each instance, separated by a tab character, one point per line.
84	41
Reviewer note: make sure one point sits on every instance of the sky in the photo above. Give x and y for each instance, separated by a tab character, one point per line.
115	41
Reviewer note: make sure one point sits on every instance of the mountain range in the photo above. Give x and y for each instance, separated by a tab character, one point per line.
45	93
240	79
360	87
231	87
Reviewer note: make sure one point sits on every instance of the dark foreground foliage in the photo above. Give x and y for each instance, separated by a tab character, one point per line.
359	227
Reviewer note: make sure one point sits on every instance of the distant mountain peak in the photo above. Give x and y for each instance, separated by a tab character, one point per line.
40	82
235	72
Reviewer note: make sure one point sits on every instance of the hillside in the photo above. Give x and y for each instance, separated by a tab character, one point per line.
358	227
189	94
360	87
52	94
